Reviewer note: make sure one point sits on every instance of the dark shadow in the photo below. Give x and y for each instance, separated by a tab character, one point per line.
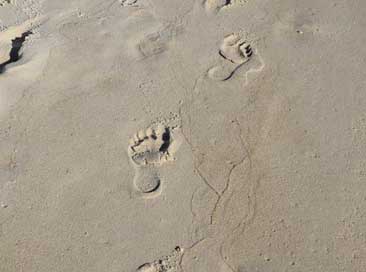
6	2
166	141
16	45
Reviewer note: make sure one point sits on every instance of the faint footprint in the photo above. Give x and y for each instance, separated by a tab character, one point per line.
148	150
234	52
152	44
168	263
157	42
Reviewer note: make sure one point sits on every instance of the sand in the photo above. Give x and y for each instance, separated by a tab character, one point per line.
182	136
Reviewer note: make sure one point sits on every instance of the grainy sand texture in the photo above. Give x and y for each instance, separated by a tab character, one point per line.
182	136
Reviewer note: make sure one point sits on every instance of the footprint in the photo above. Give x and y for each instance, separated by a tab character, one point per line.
234	52
4	2
214	6
168	263
148	150
152	44
158	41
235	49
127	3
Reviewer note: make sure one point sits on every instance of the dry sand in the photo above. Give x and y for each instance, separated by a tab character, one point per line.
182	135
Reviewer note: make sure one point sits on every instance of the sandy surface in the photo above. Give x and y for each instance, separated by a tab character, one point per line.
182	135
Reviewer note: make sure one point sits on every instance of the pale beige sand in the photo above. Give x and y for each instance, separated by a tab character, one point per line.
196	136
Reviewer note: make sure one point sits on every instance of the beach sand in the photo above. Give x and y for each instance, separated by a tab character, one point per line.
182	135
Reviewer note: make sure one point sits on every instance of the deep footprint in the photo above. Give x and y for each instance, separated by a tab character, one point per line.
148	150
234	52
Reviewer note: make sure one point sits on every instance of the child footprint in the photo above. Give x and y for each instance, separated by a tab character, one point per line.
234	52
148	150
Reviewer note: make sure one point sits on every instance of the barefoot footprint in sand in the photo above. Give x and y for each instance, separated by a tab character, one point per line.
126	3
4	2
235	49
148	150
169	263
234	52
216	5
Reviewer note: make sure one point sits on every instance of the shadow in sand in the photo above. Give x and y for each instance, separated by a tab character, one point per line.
16	45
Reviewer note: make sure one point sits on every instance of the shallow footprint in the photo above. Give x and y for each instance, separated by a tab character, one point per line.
152	44
148	150
168	263
234	52
158	41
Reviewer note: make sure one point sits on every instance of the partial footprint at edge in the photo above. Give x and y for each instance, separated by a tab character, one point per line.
148	150
168	263
4	2
234	53
214	6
